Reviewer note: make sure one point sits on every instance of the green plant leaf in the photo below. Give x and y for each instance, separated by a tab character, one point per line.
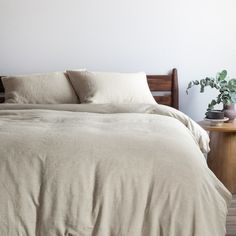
211	105
225	93
203	82
232	82
226	88
232	85
213	102
190	84
212	84
222	89
226	101
223	82
202	89
222	75
219	99
233	97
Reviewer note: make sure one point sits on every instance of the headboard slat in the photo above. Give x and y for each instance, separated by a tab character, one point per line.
1	86
1	91
164	100
164	82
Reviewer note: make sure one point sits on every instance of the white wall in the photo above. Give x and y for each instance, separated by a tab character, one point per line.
197	37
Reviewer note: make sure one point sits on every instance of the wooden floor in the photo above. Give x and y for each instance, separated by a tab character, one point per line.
231	219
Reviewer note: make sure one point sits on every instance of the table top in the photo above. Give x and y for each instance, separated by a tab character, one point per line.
225	127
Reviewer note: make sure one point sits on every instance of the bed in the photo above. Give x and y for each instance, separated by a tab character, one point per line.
166	85
108	169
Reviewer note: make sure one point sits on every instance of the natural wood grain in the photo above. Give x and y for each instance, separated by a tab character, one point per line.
1	86
1	91
175	89
225	127
164	82
222	157
231	219
165	100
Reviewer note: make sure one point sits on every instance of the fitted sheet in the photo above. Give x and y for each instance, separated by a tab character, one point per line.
106	170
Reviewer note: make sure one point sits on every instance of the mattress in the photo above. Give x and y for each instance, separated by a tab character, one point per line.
106	170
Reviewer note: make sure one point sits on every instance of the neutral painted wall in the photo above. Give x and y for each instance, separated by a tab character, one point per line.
197	37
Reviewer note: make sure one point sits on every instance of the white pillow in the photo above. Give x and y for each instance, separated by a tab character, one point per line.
116	88
39	88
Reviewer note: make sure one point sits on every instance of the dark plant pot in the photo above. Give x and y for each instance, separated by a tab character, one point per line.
215	114
230	111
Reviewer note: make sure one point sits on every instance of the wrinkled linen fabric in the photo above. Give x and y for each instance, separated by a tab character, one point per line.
109	87
50	88
106	170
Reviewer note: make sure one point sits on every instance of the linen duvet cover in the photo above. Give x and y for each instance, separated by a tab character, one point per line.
105	170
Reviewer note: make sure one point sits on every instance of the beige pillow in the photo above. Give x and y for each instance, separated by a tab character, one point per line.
117	88
39	88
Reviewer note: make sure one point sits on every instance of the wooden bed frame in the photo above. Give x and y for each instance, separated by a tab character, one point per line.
164	88
165	84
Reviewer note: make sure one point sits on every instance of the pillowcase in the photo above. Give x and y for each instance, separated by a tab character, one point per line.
39	88
116	88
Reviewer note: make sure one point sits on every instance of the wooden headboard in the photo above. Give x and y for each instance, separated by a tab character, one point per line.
1	91
164	88
167	88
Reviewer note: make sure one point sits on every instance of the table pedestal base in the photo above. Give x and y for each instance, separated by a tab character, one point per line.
222	158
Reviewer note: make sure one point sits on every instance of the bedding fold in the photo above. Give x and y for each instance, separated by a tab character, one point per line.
106	170
198	133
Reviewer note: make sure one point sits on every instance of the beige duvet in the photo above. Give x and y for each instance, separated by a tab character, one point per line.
102	170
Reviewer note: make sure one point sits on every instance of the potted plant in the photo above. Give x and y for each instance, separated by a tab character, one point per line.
226	96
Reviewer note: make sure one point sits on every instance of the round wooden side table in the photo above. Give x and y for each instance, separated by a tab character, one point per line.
222	157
